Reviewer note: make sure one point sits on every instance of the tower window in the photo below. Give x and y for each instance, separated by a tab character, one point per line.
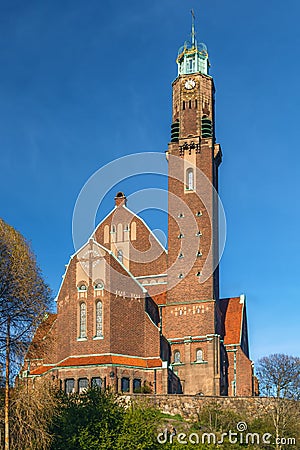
99	321
198	234
183	105
190	104
180	275
190	179
177	357
198	214
180	255
180	215
82	320
180	236
198	274
199	355
199	254
196	104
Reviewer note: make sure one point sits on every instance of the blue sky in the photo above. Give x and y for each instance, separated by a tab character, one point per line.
83	83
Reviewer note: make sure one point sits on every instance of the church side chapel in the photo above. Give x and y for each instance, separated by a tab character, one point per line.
130	315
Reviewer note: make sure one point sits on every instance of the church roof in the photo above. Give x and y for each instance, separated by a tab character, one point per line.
233	313
36	348
110	359
96	360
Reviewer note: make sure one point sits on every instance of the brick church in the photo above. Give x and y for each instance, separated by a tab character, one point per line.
135	317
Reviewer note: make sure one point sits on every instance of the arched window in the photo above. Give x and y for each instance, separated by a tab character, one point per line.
120	237
99	285
113	233
177	357
133	231
199	355
82	287
106	234
120	255
190	179
82	320
99	319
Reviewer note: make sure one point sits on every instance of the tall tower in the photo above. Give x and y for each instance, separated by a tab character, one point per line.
190	317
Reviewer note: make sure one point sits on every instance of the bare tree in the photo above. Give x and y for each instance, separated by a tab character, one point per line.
24	298
33	407
279	376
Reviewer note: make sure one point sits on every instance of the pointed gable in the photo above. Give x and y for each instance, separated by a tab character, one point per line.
234	322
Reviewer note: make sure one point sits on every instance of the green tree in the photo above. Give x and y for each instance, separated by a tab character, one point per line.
88	421
24	298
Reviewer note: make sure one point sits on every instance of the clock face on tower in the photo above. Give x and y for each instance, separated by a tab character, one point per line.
190	84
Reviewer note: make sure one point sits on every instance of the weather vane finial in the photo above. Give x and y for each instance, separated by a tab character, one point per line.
193	28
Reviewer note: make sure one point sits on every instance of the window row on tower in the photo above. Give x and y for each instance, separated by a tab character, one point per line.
191	104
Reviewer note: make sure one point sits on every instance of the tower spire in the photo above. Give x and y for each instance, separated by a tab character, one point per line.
193	28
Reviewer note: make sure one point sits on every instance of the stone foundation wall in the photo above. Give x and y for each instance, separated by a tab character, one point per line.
190	406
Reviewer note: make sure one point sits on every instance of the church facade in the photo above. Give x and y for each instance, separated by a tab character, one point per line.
134	317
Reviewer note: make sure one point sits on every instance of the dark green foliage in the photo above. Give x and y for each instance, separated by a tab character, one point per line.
91	420
97	420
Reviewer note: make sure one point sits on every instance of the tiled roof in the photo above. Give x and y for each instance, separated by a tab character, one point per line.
40	370
232	309
110	359
37	347
101	360
44	327
160	299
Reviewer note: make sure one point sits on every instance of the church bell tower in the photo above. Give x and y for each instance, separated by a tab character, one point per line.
190	319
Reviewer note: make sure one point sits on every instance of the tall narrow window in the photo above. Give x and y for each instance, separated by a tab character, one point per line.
137	385
125	384
190	104
133	231
196	104
177	357
190	179
113	233
82	325
99	319
106	234
120	237
199	355
120	256
183	105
